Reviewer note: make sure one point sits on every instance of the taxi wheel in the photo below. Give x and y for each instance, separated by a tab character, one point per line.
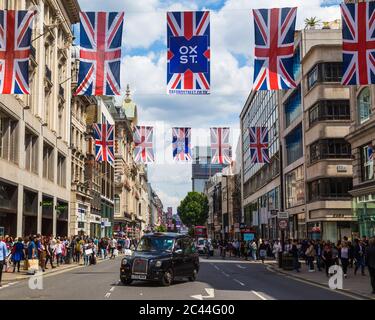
167	279
194	276
126	281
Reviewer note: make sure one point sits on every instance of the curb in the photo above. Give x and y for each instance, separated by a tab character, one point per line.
56	271
359	295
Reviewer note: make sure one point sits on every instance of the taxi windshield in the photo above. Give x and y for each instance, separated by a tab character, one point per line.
155	244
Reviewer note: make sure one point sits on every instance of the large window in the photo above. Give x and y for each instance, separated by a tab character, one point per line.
324	72
293	107
117	203
297	63
294	148
367	163
8	138
364	105
329	110
31	152
47	162
329	149
295	187
61	170
330	188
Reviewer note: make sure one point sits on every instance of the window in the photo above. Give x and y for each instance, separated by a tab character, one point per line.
47	162
31	152
332	188
295	187
297	63
293	107
8	138
117	203
61	170
329	110
324	72
364	105
367	164
294	148
330	149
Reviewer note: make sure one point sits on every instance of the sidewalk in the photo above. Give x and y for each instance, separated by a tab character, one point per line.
9	277
354	284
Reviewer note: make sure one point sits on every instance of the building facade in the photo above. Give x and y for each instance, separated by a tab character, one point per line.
35	178
362	139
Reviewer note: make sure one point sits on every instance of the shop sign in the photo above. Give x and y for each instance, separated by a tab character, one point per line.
248	236
283	215
283	224
341	168
47	203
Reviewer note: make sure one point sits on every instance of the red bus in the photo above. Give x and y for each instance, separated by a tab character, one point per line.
200	232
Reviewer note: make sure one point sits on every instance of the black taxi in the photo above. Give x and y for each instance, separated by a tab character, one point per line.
161	257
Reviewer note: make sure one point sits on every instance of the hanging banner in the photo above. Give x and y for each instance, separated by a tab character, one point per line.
274	48
181	144
15	42
104	141
188	70
100	53
221	150
144	144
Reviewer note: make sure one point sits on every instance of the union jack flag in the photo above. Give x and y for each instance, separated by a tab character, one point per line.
15	41
370	153
104	136
259	145
100	53
143	139
358	33
274	48
221	150
188	52
181	138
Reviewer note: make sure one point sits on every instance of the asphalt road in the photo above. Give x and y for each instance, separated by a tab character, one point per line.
230	280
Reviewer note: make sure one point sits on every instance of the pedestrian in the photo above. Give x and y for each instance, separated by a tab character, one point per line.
254	249
344	257
48	254
112	246
370	261
310	254
318	251
17	254
276	249
327	258
58	252
3	255
78	250
359	253
262	251
294	252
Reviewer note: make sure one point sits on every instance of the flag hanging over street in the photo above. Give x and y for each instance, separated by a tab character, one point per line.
188	70
181	143
274	48
370	153
144	145
100	53
221	150
358	33
15	41
104	141
259	145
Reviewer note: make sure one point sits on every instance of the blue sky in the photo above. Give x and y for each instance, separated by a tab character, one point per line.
144	69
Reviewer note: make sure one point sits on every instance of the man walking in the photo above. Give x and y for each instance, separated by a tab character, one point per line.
294	252
370	260
3	256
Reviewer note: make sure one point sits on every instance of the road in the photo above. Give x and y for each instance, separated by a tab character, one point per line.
231	280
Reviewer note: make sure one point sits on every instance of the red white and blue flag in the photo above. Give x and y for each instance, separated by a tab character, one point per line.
370	153
358	33
274	48
188	70
100	53
104	141
15	41
144	144
221	150
259	145
181	143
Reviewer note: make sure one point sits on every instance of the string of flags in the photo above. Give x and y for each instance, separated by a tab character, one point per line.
188	66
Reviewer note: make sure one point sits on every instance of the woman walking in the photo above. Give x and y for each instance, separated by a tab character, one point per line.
18	254
344	257
327	258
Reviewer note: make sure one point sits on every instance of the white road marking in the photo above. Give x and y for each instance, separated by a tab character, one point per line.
242	284
216	267
241	267
210	292
108	294
258	295
113	288
225	274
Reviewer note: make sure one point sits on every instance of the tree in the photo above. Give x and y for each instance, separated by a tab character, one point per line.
193	210
311	23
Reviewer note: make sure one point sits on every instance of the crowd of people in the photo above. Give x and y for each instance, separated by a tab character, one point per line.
49	251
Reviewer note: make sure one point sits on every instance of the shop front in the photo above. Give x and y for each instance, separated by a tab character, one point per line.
331	230
47	215
364	211
62	214
8	209
30	213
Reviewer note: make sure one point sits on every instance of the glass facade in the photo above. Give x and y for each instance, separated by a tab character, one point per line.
367	164
294	146
364	210
292	107
330	110
364	105
295	187
297	63
263	112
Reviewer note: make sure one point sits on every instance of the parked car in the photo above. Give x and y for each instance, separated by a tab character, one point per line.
161	257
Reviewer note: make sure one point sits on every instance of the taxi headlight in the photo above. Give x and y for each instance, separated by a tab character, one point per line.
158	264
124	261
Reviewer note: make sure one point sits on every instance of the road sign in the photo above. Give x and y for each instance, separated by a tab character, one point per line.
283	224
283	215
